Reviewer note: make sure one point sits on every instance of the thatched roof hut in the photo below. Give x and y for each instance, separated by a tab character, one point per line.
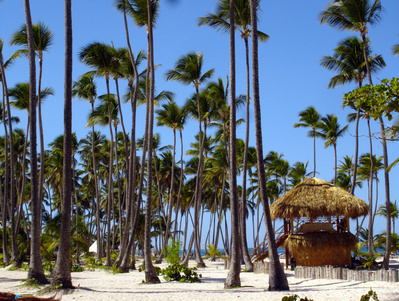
314	198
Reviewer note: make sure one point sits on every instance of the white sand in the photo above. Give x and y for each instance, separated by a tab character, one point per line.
101	285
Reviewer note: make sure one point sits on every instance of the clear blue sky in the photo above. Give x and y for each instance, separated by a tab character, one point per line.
291	78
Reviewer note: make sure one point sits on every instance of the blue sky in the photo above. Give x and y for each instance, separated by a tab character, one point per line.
291	78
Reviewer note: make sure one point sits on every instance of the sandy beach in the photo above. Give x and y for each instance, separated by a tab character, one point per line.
103	285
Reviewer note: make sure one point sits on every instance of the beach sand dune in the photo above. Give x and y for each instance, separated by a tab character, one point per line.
101	285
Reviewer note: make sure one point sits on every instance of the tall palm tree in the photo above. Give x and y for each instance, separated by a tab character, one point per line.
35	265
86	88
348	61
369	165
43	38
62	272
222	20
330	130
233	277
6	108
173	117
102	57
382	210
356	15
277	278
188	70
310	118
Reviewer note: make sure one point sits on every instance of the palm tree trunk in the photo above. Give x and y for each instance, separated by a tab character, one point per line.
39	108
62	271
150	276
130	197
35	265
233	276
243	229
110	198
277	278
370	236
387	199
9	185
356	151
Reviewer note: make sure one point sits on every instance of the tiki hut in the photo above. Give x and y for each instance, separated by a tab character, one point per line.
316	222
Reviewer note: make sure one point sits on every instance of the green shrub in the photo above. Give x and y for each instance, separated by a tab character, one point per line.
212	252
294	298
180	272
77	268
369	295
172	252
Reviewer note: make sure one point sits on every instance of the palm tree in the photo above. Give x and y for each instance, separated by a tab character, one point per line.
102	57
6	107
85	88
277	278
298	173
310	118
382	210
348	61
62	272
330	130
369	165
35	265
222	20
233	277
188	70
173	117
355	15
43	38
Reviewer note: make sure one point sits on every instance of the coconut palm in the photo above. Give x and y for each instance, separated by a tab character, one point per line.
86	88
298	173
188	70
43	38
173	117
330	130
382	210
35	265
277	278
101	57
354	15
348	61
222	20
369	165
310	118
62	272
6	108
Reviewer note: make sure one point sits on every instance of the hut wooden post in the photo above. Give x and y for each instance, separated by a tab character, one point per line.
287	224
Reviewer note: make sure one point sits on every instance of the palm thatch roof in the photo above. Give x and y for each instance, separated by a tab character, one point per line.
315	198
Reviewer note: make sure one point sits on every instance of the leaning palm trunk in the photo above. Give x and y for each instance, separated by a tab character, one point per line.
35	264
62	272
4	202
9	197
277	278
126	246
